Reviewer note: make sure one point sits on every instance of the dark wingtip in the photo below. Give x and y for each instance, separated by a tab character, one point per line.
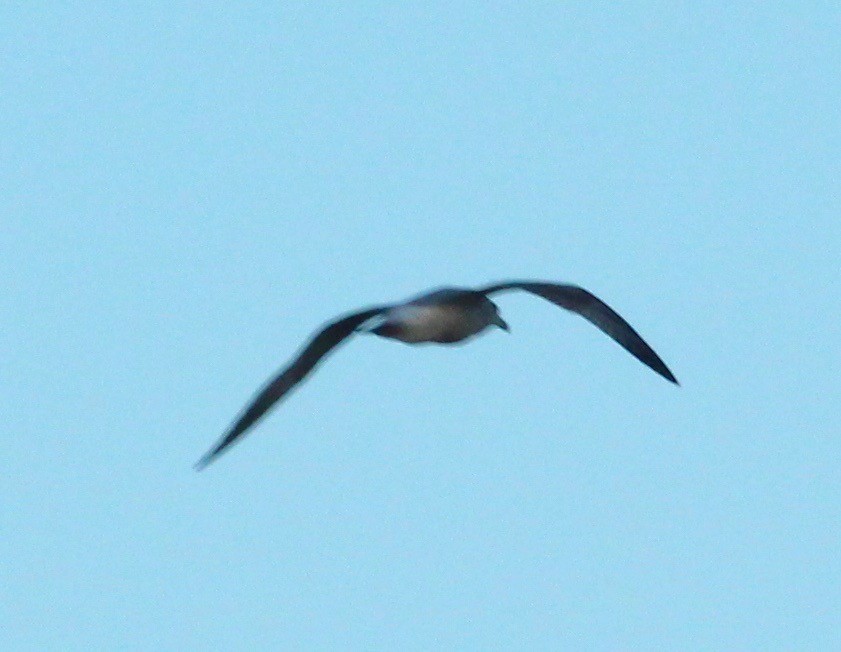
656	364
648	357
668	375
206	459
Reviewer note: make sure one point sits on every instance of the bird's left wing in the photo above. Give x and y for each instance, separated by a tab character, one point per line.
320	345
597	312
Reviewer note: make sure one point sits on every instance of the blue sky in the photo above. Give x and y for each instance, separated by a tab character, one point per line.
189	191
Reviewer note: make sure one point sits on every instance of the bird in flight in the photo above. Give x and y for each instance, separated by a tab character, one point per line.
444	316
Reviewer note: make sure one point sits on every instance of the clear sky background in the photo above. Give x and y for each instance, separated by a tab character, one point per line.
189	190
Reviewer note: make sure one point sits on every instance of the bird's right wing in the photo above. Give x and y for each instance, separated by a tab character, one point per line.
320	345
597	312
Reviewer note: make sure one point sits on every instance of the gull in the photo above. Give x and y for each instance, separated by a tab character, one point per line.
443	316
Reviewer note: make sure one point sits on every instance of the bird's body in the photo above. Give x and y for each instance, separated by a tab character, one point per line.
443	316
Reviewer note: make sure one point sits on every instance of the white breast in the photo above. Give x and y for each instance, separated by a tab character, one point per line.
434	323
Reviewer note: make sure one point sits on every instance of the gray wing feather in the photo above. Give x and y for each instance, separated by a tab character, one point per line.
597	312
319	346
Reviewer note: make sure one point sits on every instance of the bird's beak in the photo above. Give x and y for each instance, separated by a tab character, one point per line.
499	321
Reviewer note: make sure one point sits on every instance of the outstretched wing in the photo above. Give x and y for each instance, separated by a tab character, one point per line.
320	345
596	311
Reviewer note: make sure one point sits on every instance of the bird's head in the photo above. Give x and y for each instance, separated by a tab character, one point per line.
498	321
